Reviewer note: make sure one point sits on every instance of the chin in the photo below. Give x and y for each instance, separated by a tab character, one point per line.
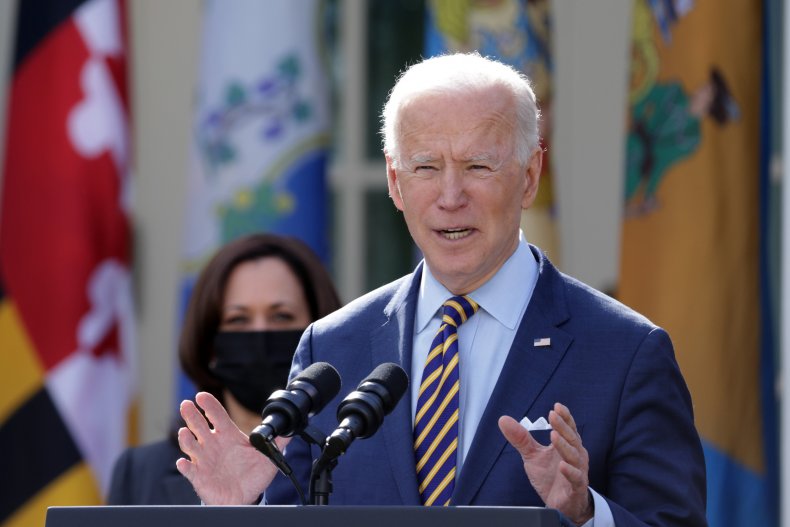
453	276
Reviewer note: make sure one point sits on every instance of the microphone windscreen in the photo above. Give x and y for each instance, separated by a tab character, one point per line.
324	377
392	377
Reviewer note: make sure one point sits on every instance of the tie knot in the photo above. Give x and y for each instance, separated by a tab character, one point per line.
458	309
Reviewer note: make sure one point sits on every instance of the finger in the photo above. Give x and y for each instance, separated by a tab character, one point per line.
565	413
187	442
186	468
568	452
517	436
565	427
194	419
575	476
215	412
572	453
561	426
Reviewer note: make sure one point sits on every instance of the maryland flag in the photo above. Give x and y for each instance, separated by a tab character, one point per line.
691	237
66	328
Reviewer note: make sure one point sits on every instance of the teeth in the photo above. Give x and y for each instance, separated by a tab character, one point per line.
455	234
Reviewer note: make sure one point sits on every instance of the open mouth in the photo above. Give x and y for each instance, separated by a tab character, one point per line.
455	234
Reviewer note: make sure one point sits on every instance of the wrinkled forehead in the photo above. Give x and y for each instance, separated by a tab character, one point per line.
477	123
456	108
489	95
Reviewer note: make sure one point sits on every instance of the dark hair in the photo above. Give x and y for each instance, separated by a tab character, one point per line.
723	107
204	312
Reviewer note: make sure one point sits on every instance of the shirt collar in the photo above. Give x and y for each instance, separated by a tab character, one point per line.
495	296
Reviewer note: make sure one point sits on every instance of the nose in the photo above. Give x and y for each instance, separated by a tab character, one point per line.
452	191
259	323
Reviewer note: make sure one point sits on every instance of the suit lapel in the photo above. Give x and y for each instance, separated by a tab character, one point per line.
525	373
392	342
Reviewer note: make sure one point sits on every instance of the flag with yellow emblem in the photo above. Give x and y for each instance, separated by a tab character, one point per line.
691	235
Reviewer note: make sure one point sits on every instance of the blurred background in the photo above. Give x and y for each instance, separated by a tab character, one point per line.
137	136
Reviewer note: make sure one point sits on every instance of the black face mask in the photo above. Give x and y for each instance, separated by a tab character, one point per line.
253	364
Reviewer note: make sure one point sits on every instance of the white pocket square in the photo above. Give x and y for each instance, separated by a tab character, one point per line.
539	424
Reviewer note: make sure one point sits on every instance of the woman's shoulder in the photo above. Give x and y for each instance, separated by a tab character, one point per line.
155	453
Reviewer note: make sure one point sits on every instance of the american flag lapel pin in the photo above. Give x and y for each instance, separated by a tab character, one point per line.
542	342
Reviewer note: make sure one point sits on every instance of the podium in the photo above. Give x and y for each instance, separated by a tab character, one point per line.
324	516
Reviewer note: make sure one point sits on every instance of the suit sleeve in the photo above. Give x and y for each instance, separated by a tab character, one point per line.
657	469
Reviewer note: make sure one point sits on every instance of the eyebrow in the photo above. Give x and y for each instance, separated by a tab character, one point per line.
427	158
244	307
482	156
491	158
422	158
234	307
487	157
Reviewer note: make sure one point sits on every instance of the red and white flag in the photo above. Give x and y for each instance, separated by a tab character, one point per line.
67	362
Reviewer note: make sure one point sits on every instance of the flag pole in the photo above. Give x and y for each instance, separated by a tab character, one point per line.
785	292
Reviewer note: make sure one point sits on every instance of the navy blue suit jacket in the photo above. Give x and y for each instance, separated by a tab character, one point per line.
614	369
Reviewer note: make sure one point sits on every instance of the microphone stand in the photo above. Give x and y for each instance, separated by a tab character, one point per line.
268	447
321	482
360	415
321	473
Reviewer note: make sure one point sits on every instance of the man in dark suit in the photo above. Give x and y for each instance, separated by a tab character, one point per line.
516	339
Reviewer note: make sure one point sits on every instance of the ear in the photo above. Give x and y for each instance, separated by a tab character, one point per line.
392	183
532	175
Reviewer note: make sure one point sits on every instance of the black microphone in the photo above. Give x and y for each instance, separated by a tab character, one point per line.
361	413
287	411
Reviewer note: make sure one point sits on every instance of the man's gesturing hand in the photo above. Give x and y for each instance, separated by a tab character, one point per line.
558	472
223	467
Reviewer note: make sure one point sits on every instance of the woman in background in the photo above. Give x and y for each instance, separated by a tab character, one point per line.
246	314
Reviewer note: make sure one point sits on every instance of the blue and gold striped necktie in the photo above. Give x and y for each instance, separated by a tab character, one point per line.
436	422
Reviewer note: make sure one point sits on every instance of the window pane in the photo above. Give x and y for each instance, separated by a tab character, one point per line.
395	39
390	252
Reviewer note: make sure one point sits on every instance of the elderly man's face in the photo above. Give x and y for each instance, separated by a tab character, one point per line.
459	185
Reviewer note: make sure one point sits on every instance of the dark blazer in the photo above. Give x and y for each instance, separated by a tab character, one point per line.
613	368
147	475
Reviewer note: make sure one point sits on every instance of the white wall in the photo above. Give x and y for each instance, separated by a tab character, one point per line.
592	53
165	38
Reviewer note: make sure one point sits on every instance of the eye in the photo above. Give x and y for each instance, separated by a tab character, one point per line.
420	168
235	320
283	316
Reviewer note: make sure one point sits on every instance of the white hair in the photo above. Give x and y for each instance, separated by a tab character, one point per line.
462	73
